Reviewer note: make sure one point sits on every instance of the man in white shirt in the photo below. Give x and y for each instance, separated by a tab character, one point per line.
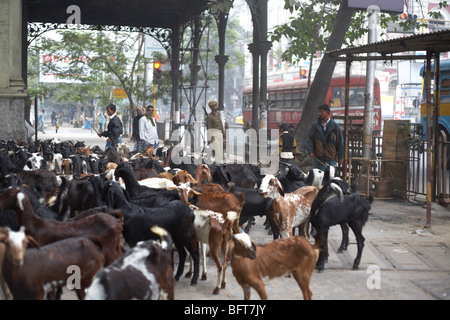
147	129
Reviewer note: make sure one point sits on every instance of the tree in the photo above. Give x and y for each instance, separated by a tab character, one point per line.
97	59
343	25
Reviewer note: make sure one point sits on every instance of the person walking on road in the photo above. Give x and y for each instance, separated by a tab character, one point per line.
101	122
325	142
114	129
41	121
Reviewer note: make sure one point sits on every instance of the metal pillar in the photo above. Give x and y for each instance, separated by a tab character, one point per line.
221	58
368	94
175	64
259	49
429	140
437	90
348	65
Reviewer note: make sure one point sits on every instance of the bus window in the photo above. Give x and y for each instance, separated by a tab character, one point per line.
247	102
335	100
280	100
296	100
302	98
445	91
356	96
288	100
272	97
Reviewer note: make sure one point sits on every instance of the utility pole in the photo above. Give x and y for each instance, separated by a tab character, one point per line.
370	80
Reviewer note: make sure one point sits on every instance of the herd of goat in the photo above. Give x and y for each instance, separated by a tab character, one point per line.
116	217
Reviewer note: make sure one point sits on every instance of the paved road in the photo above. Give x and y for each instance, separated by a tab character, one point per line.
412	262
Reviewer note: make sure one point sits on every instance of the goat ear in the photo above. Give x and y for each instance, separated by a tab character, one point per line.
195	192
191	179
127	195
33	242
280	187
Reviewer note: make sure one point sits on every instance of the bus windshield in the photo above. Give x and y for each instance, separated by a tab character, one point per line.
356	97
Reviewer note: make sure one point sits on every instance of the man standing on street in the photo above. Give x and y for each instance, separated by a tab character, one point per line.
135	133
147	129
213	121
325	141
114	129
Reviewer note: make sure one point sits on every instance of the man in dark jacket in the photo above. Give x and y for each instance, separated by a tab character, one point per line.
114	129
325	140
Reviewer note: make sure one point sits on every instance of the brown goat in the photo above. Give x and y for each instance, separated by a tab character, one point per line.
182	176
101	227
15	248
145	173
291	209
202	173
212	229
251	263
32	273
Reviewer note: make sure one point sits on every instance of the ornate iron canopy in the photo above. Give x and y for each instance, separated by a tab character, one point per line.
131	13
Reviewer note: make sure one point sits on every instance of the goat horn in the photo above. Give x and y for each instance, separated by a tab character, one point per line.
338	191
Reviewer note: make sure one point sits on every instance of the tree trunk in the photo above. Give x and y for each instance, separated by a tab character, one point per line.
319	86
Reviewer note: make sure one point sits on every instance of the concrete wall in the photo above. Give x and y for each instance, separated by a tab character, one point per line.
12	90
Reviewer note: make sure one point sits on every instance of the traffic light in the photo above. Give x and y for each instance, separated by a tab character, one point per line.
408	16
303	73
157	72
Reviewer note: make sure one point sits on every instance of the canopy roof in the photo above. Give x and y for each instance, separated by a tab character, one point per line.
436	42
134	13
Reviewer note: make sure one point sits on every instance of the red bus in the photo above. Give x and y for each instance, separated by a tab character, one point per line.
287	99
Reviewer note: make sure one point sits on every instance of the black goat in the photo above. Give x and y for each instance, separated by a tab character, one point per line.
85	193
328	210
293	180
176	217
134	189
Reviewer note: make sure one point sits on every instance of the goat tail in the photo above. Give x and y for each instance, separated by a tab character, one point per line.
232	215
317	242
242	199
165	238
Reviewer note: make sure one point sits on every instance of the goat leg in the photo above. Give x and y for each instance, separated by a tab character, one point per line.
322	235
181	260
357	230
345	241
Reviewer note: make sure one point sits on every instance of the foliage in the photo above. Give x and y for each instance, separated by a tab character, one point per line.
220	5
99	61
411	136
321	15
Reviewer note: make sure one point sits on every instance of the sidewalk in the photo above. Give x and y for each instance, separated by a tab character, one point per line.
410	261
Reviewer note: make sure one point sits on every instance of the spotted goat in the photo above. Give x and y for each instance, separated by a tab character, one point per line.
290	209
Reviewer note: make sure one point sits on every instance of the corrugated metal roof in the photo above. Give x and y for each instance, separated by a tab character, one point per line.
435	41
